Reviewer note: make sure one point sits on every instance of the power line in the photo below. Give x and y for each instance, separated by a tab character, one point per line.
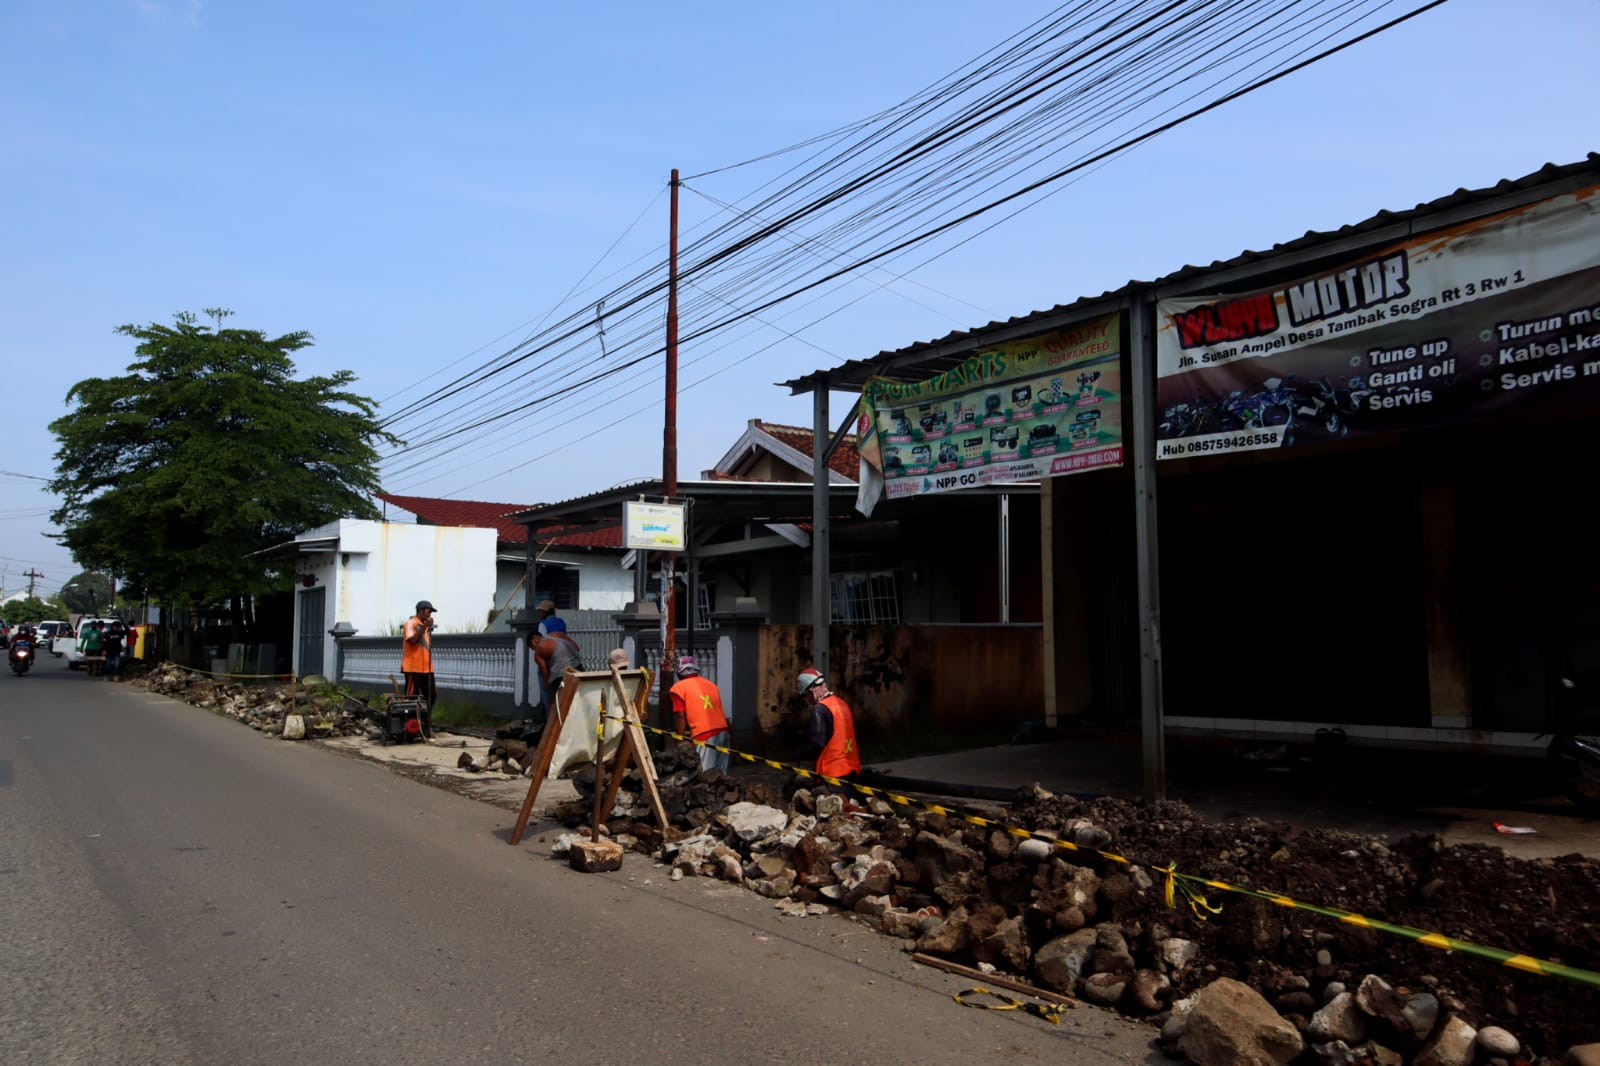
1054	100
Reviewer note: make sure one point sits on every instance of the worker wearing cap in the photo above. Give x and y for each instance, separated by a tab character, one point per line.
697	710
833	727
416	661
547	609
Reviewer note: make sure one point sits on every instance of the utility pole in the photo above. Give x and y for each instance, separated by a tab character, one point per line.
32	576
669	462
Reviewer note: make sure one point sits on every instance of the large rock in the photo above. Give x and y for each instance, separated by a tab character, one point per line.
948	937
1062	963
1453	1044
595	856
1004	944
1230	1024
1111	953
1582	1055
901	923
1498	1043
1148	990
1106	989
1063	897
1378	998
1421	1014
752	821
1340	1020
1177	953
940	859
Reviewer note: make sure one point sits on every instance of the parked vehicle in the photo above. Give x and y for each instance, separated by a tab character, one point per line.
48	632
74	653
5	633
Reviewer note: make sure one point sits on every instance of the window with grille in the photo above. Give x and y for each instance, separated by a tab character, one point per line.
870	598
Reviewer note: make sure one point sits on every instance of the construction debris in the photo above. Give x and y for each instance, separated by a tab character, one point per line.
1079	924
324	711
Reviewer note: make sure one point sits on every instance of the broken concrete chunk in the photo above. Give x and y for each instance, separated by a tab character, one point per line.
595	856
752	821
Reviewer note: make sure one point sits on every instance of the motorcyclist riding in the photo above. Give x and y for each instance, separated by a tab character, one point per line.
20	655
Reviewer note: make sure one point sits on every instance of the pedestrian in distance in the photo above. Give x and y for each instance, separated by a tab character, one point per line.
547	610
833	727
416	662
697	713
89	638
111	643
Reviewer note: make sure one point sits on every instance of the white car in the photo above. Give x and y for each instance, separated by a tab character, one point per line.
73	652
49	631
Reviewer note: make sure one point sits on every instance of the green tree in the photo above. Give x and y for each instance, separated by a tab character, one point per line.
87	592
207	450
28	609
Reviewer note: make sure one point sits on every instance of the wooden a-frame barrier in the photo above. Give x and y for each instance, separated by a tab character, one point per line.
615	700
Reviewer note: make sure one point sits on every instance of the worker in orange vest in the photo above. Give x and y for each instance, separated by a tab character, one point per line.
697	711
416	662
833	727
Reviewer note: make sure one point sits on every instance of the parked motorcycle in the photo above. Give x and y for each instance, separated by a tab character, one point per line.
20	655
1576	756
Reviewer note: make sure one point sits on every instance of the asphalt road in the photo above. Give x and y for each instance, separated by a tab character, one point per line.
176	888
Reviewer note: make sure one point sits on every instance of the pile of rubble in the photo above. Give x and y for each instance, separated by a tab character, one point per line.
1229	978
324	712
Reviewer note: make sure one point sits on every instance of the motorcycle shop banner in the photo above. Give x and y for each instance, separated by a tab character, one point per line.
1493	316
1036	408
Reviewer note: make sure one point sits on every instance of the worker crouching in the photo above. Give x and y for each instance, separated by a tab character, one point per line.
833	727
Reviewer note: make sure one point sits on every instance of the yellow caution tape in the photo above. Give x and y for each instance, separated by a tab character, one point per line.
1177	882
1050	1012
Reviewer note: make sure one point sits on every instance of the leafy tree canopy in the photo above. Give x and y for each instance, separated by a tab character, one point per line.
207	450
30	609
87	592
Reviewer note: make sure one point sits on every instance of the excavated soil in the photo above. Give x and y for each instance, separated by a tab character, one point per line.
1546	908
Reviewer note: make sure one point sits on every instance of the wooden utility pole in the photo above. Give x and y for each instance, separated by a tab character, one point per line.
669	462
32	576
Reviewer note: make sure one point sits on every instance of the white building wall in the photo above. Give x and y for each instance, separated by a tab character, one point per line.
380	570
603	585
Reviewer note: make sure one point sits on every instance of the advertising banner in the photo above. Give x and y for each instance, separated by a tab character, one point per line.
1498	315
1036	408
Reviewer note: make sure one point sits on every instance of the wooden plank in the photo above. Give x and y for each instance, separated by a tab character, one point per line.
995	979
541	767
641	749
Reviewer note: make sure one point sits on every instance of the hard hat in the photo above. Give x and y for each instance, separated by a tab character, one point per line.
808	677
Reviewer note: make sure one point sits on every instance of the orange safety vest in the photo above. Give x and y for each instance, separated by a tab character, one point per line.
416	658
841	757
699	701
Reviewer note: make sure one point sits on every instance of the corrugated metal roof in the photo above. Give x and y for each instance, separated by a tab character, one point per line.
919	360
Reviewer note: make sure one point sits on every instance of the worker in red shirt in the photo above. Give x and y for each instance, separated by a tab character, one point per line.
833	727
697	711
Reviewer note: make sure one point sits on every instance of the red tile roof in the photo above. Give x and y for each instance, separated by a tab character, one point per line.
496	516
474	513
845	459
609	537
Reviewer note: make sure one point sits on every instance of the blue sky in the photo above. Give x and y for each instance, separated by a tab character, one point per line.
419	185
